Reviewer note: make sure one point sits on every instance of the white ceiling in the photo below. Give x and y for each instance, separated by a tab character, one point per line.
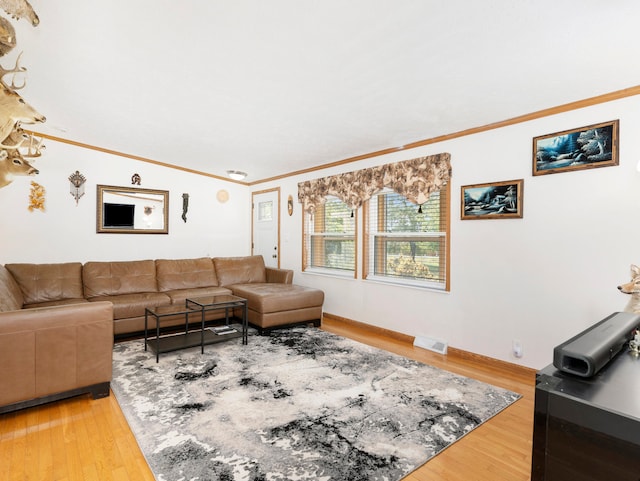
272	87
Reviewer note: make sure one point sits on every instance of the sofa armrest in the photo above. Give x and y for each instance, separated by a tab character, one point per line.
279	276
48	350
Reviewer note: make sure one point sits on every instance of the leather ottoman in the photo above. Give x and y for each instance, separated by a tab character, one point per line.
277	305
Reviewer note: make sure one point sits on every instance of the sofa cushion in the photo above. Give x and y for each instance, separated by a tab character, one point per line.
11	298
269	297
185	273
115	278
239	270
133	305
179	296
48	282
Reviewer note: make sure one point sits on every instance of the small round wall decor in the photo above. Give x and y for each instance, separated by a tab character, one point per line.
222	196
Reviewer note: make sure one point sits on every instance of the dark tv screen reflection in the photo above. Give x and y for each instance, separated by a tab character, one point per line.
118	215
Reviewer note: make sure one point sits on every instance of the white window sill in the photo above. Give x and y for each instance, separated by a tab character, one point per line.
414	284
330	273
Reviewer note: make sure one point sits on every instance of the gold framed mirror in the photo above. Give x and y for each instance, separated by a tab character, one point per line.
127	210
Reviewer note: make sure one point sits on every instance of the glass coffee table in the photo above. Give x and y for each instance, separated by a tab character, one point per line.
226	302
196	337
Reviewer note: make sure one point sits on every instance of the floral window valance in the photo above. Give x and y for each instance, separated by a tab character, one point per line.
415	179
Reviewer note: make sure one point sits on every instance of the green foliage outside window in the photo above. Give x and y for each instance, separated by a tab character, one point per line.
406	239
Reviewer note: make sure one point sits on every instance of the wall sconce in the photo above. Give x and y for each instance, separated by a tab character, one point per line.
236	174
76	188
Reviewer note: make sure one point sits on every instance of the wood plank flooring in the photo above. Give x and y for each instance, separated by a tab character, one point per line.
85	439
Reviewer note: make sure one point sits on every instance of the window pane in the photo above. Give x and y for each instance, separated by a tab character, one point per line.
407	243
265	211
404	216
413	259
333	253
330	237
337	217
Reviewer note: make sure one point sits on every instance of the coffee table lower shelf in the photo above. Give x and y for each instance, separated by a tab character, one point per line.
175	342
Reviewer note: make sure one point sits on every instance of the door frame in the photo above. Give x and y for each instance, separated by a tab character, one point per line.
253	206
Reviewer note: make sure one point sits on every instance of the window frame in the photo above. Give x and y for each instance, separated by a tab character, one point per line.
444	235
320	237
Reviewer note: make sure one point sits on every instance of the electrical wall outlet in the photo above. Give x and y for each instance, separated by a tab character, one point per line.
517	348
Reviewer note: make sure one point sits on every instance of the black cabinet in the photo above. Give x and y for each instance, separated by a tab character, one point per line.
588	428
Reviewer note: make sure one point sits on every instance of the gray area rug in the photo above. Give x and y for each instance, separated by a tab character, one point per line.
301	404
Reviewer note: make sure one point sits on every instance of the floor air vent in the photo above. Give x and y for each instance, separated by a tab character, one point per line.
435	345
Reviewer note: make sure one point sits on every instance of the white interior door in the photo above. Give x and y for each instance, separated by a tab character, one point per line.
266	226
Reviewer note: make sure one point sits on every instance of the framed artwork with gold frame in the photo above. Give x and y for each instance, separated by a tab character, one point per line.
494	200
576	149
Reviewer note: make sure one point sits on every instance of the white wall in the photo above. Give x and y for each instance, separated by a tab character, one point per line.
66	232
538	280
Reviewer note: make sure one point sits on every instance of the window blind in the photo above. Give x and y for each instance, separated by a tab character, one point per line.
330	238
407	243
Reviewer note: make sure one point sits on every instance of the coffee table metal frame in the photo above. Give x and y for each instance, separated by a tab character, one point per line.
226	302
197	337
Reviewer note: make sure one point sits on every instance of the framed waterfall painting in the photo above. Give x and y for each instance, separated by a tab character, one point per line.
577	149
495	200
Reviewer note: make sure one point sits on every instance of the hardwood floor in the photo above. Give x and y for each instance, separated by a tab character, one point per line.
84	439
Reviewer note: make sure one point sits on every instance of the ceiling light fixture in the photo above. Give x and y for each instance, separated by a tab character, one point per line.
236	174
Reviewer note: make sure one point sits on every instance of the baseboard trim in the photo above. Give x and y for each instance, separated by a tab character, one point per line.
494	363
490	362
398	336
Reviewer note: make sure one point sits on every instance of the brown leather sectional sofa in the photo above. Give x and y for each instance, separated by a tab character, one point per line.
58	321
51	352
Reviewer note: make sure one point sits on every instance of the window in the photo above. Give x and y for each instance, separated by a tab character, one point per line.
265	211
405	243
329	238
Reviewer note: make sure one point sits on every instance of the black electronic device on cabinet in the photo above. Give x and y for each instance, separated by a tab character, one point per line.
588	352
